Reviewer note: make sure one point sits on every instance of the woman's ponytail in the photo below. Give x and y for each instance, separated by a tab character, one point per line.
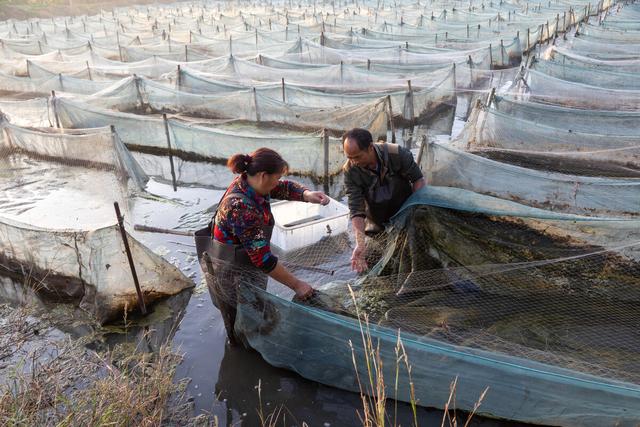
239	163
261	160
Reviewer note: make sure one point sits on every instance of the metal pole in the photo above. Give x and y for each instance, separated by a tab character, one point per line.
125	240
168	135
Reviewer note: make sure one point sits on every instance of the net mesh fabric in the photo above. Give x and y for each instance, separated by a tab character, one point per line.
490	280
57	221
537	145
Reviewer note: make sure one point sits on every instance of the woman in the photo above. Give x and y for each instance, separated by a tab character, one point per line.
239	252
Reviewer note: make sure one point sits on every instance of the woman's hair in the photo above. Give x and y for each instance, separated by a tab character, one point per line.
261	160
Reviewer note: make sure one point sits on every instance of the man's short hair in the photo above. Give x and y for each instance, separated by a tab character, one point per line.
362	137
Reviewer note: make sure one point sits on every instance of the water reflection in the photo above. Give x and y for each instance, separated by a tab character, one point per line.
299	400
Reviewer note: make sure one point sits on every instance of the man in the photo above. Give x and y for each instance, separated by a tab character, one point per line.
378	178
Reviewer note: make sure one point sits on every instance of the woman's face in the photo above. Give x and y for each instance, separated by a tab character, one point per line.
268	181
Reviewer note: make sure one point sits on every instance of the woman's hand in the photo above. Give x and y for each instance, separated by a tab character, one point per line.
303	290
316	197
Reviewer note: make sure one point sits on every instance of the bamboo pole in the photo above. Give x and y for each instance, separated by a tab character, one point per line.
284	99
325	146
170	151
55	109
125	240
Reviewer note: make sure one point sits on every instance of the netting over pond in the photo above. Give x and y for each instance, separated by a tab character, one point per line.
58	229
507	296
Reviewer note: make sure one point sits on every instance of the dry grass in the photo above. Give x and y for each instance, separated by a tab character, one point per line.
63	383
373	390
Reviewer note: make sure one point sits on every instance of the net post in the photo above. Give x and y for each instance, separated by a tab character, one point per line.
134	274
421	149
190	37
179	77
136	79
368	65
89	70
325	146
230	45
470	72
284	99
528	44
492	96
393	131
410	88
455	80
255	103
55	109
490	57
170	151
28	68
186	53
501	52
548	33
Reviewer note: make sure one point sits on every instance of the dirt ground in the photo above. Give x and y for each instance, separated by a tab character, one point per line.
21	9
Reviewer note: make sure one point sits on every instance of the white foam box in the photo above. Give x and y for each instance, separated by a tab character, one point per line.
300	224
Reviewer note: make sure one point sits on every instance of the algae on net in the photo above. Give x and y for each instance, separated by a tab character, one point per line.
498	284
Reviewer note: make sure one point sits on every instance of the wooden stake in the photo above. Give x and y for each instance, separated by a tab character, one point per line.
55	109
325	145
393	133
170	151
284	99
125	240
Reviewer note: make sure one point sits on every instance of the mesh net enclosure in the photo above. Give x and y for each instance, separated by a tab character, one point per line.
471	284
57	224
516	268
529	141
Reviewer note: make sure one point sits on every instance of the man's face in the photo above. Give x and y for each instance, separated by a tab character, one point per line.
357	156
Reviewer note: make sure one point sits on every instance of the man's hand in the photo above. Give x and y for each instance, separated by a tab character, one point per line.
317	197
358	262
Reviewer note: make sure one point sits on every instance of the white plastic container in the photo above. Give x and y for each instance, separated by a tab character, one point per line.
300	224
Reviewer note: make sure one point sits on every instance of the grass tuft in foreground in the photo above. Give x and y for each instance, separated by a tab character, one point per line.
58	381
